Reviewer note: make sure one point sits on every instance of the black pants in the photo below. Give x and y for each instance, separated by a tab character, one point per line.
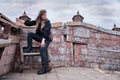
43	50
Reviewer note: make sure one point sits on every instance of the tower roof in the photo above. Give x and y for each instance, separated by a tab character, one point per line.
78	13
115	28
24	16
78	17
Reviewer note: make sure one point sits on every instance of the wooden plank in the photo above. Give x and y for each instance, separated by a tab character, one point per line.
4	42
15	39
24	44
3	16
2	20
31	54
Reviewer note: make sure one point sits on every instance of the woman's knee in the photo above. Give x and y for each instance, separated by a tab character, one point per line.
30	33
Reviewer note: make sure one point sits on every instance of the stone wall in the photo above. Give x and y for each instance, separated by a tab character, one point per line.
82	44
61	52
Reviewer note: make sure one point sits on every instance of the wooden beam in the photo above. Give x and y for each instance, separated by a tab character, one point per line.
4	17
0	28
31	54
6	22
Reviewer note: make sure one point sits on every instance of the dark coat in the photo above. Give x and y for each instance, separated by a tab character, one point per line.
45	32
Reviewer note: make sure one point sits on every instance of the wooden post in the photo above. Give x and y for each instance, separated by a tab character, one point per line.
0	28
7	29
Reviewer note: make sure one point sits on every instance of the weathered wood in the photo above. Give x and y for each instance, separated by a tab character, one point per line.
4	42
15	39
7	19
23	55
24	44
6	22
4	36
0	28
7	44
31	54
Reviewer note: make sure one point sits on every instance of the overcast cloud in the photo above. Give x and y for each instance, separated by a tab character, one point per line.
102	13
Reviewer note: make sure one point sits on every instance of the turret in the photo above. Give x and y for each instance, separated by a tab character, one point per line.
24	17
77	17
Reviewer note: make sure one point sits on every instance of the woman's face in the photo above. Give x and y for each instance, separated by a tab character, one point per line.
44	16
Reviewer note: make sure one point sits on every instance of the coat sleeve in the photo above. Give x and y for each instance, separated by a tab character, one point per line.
46	29
30	23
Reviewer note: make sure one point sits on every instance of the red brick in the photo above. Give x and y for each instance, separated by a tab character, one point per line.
70	38
58	38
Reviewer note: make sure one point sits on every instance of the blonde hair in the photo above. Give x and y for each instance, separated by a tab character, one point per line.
39	19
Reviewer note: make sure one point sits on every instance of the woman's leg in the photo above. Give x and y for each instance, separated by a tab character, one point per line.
43	53
31	36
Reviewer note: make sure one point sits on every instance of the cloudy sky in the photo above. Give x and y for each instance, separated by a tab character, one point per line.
102	13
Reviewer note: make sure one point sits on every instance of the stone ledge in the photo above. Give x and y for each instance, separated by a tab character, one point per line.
57	24
108	31
91	26
72	24
102	49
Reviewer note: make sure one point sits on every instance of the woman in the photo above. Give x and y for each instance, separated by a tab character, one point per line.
42	35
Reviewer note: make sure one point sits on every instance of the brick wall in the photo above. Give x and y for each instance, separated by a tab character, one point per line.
61	52
83	44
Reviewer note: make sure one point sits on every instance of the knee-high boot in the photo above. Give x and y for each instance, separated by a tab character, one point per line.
49	67
44	63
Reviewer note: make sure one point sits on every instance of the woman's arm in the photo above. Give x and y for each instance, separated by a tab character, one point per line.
27	22
30	23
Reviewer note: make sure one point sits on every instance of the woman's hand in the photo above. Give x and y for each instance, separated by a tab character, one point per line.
19	22
43	42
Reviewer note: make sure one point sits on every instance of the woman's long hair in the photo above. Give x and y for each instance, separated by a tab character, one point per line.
39	19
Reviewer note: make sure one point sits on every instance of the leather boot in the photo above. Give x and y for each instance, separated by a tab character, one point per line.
49	67
42	71
29	50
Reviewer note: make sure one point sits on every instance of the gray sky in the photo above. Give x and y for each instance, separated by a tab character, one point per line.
102	13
